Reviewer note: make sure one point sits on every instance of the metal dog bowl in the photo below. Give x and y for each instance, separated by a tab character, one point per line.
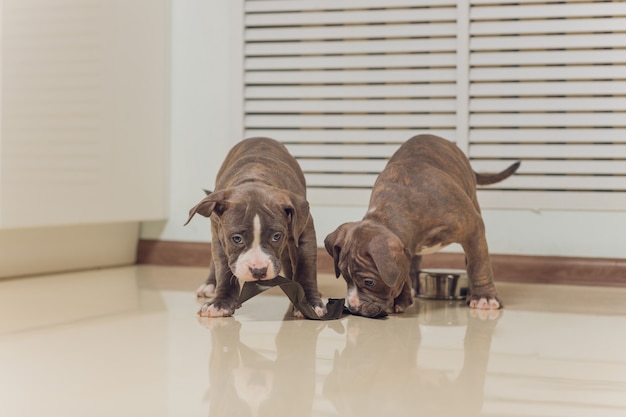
443	284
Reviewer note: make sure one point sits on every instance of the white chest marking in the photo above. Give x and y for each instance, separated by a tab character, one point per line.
429	250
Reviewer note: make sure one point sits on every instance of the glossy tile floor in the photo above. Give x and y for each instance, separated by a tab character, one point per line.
127	342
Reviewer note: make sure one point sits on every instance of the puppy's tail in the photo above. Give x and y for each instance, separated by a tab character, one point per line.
486	179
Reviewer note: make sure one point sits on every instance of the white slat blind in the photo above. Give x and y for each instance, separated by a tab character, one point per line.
548	86
344	83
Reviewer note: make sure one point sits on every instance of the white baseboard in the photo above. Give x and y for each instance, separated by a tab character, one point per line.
67	248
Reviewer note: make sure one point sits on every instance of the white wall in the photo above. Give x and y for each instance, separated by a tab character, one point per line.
205	115
85	117
84	136
205	108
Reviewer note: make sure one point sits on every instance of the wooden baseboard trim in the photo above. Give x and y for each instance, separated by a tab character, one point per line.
164	252
543	269
506	268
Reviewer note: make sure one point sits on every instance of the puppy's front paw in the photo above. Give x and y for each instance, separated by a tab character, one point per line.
401	303
206	291
297	313
217	309
398	309
484	303
320	310
318	305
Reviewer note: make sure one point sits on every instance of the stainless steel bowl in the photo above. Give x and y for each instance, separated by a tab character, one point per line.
443	284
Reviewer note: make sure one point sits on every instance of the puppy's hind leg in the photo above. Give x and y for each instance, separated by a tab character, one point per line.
207	289
414	273
482	289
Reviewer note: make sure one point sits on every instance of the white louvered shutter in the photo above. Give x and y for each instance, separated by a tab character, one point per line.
344	83
548	86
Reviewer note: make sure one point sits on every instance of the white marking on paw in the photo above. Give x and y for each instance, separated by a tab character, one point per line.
320	311
206	291
209	310
485	304
297	313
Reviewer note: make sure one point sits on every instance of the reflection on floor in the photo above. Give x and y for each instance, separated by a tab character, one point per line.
127	342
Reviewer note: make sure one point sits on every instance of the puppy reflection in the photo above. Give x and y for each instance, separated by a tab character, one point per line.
243	382
377	371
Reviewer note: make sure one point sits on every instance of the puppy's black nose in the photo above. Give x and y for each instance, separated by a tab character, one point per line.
258	273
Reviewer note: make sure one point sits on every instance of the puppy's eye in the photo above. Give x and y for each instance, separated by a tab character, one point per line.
237	239
276	236
369	282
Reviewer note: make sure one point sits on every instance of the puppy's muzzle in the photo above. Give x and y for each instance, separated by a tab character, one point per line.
370	310
258	273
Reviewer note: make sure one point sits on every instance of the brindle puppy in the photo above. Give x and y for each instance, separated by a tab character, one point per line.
260	223
424	200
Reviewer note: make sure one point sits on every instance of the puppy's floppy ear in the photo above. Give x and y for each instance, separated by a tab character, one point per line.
334	242
296	208
213	202
390	258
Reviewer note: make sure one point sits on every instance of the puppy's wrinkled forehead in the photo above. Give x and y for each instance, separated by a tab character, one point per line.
358	245
246	204
358	263
363	252
355	257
